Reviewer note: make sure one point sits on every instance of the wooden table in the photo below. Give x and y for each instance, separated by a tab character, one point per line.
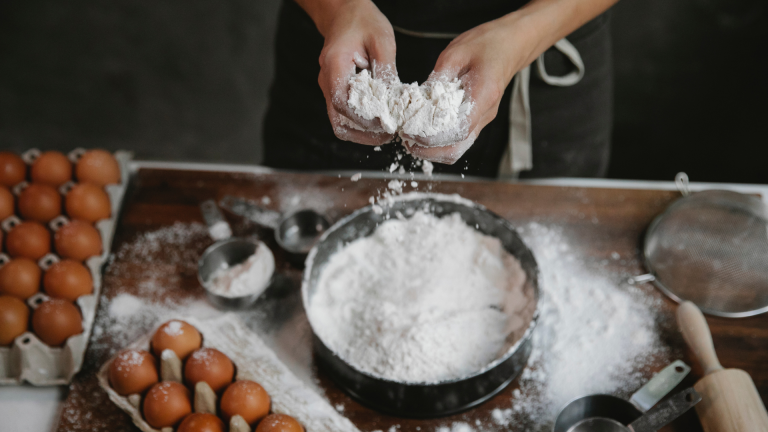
161	197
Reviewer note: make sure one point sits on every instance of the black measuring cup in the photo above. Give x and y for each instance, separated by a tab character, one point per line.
621	410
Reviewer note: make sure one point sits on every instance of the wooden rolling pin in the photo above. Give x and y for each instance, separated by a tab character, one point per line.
730	402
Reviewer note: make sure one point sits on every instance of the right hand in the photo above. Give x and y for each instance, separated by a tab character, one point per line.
357	35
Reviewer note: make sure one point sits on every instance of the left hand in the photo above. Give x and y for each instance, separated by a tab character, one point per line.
485	59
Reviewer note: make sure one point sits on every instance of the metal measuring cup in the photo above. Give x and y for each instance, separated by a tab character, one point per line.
653	420
226	252
296	232
618	409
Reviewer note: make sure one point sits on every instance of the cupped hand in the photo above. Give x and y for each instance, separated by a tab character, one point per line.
357	35
485	59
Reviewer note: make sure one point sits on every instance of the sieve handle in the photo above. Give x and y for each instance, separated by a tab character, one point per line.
696	333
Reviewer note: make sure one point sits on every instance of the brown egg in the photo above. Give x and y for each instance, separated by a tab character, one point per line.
88	202
279	423
28	239
166	404
98	167
39	202
177	336
14	318
200	422
20	278
7	206
13	170
133	371
211	366
68	280
246	398
54	321
51	168
77	240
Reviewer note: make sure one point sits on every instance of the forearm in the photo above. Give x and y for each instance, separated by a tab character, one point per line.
323	12
541	23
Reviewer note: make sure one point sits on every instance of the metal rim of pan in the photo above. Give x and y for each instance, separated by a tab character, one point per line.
426	400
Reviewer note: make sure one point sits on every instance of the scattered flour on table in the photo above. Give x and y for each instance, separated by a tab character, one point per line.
436	107
424	299
249	277
594	335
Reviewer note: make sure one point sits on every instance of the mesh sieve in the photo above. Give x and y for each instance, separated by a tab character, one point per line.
711	248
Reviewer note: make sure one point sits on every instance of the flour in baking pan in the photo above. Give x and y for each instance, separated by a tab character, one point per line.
424	299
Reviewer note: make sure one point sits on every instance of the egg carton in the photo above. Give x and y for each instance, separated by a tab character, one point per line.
254	361
28	359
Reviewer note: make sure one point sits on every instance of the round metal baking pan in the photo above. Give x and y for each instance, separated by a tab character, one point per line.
423	400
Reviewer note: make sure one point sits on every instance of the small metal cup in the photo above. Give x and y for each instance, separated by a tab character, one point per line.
653	420
299	231
295	232
225	253
618	409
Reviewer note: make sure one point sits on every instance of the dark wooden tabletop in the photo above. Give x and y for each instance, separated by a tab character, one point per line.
157	198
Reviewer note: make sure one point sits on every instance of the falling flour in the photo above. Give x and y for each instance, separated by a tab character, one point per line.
437	107
424	299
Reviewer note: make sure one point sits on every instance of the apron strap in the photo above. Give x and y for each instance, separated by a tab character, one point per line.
571	78
518	155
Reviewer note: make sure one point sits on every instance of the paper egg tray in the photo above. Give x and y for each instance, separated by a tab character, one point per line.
28	358
254	361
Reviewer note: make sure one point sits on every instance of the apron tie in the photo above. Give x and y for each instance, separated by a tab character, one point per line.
518	155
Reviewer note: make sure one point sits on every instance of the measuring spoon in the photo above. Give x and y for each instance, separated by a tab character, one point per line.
295	232
653	420
227	252
618	409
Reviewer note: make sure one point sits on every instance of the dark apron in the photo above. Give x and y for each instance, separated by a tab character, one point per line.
571	126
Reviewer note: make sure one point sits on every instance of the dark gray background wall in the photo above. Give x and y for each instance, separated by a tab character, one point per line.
189	81
182	80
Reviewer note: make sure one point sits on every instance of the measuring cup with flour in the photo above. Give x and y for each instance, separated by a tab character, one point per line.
422	307
233	271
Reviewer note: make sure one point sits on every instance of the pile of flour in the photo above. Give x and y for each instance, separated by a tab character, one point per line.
424	299
249	277
437	107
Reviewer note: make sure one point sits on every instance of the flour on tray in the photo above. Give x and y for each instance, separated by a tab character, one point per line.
424	299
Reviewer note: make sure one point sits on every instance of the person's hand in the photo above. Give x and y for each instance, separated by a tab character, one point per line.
357	35
485	59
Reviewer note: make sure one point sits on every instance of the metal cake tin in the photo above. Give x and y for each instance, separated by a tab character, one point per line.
423	400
